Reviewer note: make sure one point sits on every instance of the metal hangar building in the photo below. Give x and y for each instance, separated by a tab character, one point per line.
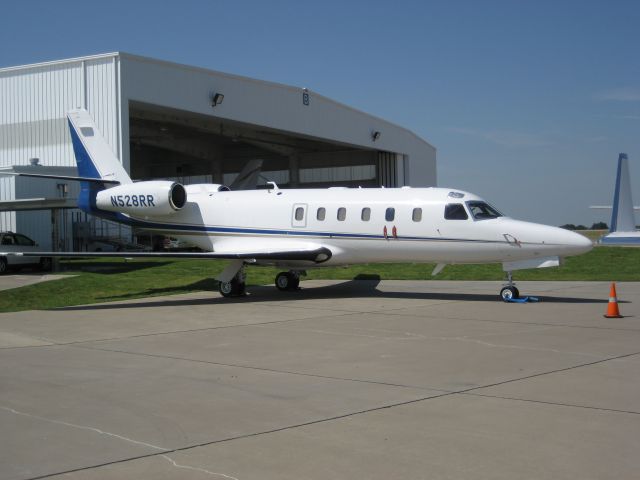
193	125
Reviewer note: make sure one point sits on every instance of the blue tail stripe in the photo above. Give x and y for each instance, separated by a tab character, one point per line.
86	168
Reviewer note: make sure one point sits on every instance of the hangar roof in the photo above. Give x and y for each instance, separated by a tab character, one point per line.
148	60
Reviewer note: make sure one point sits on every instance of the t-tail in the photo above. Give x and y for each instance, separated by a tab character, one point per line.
622	217
105	188
94	158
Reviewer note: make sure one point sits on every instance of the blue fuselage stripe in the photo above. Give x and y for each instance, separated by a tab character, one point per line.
292	233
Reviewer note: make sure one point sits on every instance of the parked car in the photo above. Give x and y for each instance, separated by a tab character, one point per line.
177	244
16	242
106	245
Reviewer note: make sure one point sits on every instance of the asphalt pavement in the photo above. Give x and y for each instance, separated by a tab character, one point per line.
376	380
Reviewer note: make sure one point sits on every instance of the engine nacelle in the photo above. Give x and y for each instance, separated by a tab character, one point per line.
153	198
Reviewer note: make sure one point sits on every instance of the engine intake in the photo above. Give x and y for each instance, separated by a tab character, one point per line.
153	198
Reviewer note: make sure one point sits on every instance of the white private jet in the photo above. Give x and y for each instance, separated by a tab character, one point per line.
623	223
299	229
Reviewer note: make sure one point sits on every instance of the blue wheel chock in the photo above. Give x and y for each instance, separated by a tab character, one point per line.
523	300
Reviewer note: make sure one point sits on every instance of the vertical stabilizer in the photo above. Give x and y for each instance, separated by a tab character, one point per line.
93	154
247	179
622	218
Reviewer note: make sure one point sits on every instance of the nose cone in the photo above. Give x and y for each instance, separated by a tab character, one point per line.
547	240
571	243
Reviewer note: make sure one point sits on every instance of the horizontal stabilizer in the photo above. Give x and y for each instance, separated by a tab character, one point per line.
25	204
609	207
60	177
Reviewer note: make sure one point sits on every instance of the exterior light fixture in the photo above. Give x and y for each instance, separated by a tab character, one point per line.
217	99
375	135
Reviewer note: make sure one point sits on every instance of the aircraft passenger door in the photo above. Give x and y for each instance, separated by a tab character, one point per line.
299	215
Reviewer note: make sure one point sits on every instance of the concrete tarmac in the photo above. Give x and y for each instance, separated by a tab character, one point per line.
16	280
389	380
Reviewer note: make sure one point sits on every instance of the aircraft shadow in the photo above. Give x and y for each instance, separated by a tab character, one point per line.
349	289
109	268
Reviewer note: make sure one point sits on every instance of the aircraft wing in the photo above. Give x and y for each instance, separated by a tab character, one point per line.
311	254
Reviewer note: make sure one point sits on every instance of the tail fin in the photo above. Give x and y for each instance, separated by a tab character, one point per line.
622	218
247	179
94	157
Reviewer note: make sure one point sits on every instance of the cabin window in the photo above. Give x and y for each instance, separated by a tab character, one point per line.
482	210
455	211
390	214
342	214
416	216
320	214
299	214
366	214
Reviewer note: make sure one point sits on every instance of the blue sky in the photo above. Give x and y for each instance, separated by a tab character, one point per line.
528	102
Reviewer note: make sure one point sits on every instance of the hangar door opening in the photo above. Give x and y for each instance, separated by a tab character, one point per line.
193	148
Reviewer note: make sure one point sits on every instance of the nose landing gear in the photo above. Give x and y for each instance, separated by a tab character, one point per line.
509	290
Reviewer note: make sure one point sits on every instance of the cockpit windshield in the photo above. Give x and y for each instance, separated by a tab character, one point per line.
482	210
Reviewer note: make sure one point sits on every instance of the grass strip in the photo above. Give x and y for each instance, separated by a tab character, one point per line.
107	280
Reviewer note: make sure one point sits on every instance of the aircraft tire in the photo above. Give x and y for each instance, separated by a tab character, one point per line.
287	281
232	289
507	293
283	281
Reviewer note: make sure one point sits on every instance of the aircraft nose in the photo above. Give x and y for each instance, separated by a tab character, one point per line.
574	243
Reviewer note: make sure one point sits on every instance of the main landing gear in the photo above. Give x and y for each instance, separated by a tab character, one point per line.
285	281
510	290
288	281
235	287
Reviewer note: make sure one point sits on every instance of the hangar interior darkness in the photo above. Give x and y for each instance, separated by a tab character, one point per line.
192	148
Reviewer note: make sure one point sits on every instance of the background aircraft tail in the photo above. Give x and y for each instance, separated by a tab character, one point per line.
247	179
622	217
94	156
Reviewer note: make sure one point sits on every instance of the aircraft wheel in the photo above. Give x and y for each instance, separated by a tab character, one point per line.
507	293
232	289
287	281
283	281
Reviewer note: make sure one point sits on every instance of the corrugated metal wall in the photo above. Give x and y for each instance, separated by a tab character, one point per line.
37	224
387	171
34	101
7	192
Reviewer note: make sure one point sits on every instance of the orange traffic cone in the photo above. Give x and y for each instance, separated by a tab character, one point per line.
612	307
